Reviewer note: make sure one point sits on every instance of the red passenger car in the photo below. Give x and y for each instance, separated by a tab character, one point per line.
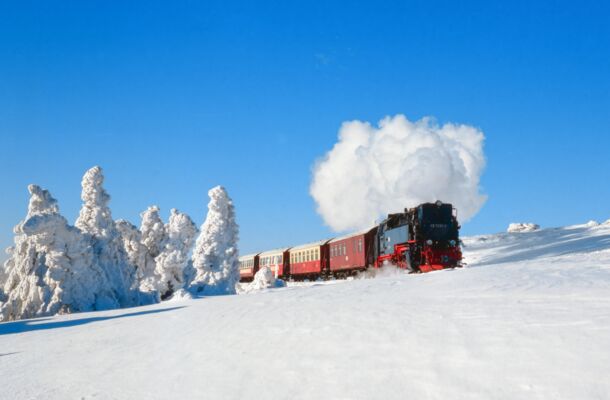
351	253
309	260
276	260
248	266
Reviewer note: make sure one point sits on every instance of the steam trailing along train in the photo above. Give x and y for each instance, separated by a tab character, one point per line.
421	239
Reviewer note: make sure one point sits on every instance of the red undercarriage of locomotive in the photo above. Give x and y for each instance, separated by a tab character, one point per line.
433	259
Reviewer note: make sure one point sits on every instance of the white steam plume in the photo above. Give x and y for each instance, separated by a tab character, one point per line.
374	171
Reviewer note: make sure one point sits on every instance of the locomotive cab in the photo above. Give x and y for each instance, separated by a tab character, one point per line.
435	236
437	224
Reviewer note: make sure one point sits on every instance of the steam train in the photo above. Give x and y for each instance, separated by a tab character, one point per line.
420	239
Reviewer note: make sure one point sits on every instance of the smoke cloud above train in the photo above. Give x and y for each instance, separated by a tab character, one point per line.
372	171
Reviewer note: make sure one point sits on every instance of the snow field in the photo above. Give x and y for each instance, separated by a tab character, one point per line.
529	318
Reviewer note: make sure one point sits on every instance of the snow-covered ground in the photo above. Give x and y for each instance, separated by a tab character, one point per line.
528	318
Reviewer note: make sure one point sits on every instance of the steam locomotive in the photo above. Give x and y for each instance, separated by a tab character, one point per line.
420	239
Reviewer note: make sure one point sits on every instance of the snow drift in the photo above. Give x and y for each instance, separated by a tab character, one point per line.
263	279
372	171
522	227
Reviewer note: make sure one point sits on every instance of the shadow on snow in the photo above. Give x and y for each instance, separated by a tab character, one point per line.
8	328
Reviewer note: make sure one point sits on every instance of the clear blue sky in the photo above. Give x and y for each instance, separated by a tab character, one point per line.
172	98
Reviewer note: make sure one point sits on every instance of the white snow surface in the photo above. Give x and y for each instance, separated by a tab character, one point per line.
527	318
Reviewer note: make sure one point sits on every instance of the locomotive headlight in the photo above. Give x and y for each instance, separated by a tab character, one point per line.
452	242
429	242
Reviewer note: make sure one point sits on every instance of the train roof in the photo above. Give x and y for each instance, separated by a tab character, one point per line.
248	256
274	251
312	244
349	235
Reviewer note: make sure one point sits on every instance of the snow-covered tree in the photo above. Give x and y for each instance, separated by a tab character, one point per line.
132	243
153	230
50	268
172	261
41	202
215	257
95	219
4	277
154	237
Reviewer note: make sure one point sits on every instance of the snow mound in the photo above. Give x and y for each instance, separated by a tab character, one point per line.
263	279
522	227
180	295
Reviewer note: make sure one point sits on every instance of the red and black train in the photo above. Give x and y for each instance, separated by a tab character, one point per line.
420	239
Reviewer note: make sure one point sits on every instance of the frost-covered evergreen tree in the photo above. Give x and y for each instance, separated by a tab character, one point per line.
174	257
132	243
215	257
145	282
3	277
50	268
154	237
95	219
153	230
